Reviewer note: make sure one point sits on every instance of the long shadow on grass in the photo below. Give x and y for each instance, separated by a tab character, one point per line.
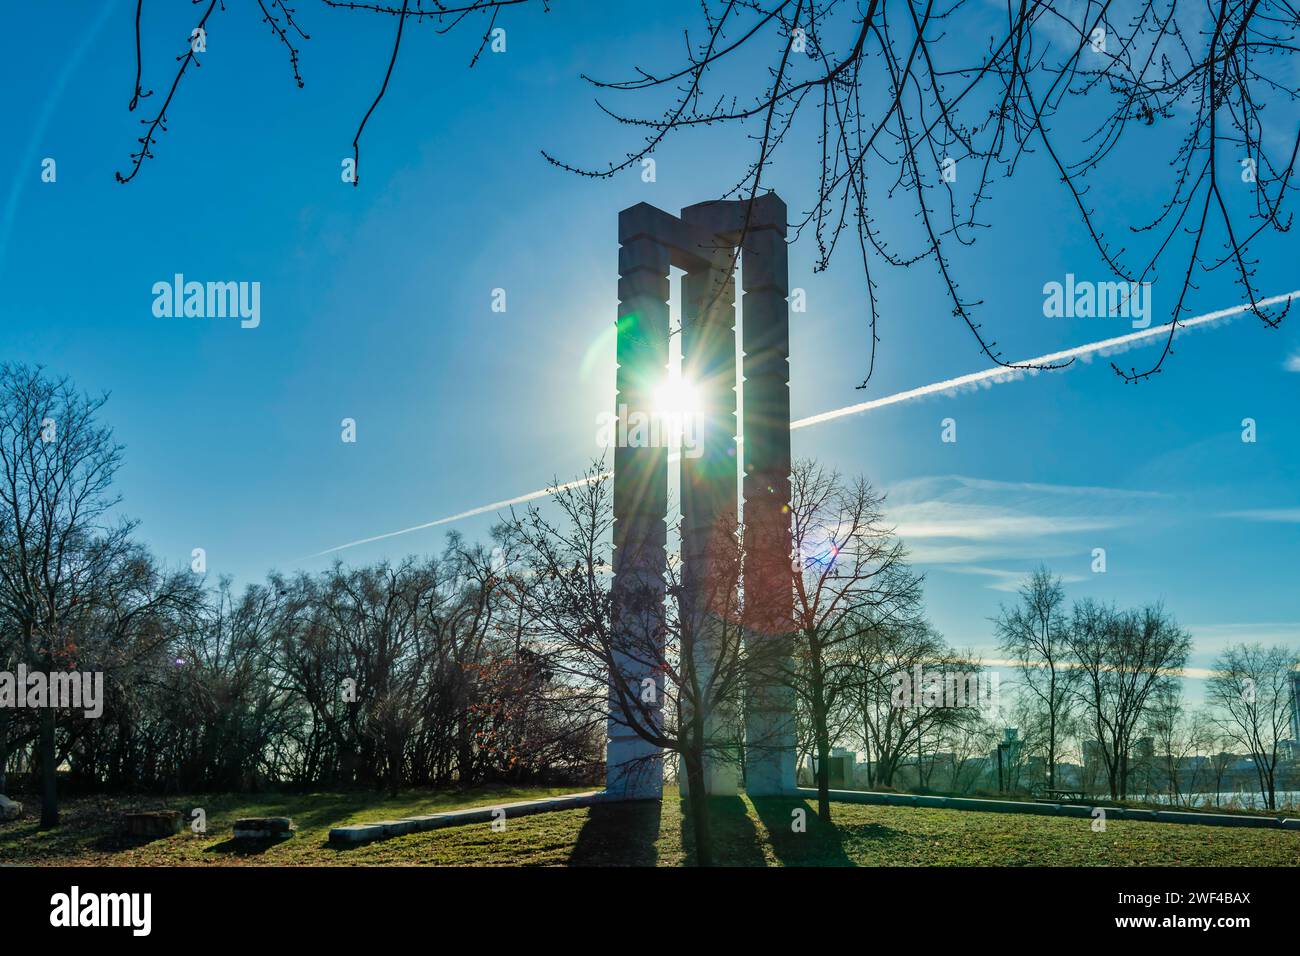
819	844
619	834
114	841
245	847
735	840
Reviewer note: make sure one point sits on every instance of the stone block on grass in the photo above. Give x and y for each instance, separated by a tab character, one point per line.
264	828
354	835
153	823
1136	813
9	809
934	803
429	821
1215	819
397	827
1013	806
967	803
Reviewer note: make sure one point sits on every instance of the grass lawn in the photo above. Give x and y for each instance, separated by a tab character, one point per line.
747	833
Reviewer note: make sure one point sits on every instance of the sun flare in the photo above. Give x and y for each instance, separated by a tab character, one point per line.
676	399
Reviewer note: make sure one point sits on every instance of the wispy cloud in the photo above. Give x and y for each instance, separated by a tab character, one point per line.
1095	491
1247	632
935	552
1001	530
1210	640
968	522
1292	363
1282	515
1195	673
1004	579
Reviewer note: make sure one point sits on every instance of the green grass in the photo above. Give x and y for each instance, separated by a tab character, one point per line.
88	832
753	833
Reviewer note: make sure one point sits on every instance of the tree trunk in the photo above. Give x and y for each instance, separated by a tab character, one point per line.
394	766
1051	738
885	774
822	734
698	805
49	772
823	773
4	750
464	753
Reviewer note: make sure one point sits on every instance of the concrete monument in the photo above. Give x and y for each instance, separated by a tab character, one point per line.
703	242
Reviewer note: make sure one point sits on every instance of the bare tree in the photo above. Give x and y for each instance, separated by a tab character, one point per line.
850	575
136	614
1221	765
1251	691
1033	634
1123	658
1179	737
57	547
969	740
902	671
1035	737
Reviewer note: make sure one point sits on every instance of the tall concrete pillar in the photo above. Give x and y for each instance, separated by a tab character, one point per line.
634	766
769	596
709	472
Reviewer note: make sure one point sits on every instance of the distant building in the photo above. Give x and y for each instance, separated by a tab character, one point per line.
1069	775
1295	705
843	768
1093	755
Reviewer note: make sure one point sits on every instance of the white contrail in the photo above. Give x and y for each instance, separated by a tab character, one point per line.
999	374
473	512
989	376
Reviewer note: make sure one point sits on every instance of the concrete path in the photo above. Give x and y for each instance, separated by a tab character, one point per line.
383	829
1054	809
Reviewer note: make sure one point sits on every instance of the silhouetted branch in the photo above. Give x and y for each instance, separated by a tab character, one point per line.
890	103
356	140
159	122
899	102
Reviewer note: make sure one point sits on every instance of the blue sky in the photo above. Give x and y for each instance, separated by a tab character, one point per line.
376	305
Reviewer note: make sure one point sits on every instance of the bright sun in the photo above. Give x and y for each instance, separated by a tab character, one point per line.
675	398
